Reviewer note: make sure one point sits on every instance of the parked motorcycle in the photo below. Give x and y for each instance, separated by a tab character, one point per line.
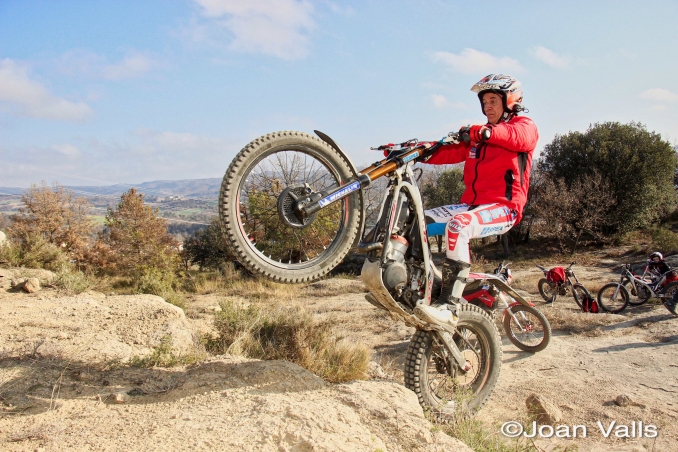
525	326
292	206
614	297
557	281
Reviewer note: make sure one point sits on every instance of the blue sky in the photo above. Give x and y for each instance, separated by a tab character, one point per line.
95	92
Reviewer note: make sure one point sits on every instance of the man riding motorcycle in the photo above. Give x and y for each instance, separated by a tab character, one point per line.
497	178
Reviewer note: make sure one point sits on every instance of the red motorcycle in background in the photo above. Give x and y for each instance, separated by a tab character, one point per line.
557	281
526	327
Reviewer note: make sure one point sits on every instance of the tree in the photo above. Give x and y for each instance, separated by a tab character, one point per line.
136	237
638	166
207	247
443	188
567	213
56	216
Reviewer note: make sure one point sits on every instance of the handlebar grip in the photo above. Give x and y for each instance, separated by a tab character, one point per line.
486	134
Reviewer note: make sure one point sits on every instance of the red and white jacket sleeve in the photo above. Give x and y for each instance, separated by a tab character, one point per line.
449	154
519	135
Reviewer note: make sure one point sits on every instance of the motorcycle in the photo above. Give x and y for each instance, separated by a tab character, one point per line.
526	327
292	206
557	281
614	297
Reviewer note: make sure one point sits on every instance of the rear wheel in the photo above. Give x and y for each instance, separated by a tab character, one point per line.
613	298
527	328
256	202
547	290
441	386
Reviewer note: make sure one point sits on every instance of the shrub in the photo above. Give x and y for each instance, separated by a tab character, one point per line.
72	281
162	283
207	247
638	165
57	216
34	251
665	240
287	333
163	356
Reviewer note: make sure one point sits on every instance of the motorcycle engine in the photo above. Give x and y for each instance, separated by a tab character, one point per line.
642	292
395	272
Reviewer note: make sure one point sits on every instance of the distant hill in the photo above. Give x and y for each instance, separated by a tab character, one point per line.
187	188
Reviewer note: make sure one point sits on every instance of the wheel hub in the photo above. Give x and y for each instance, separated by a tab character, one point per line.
468	377
288	202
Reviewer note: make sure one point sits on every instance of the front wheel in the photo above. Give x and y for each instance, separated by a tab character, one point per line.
636	298
527	328
434	376
670	301
547	290
256	207
613	298
580	293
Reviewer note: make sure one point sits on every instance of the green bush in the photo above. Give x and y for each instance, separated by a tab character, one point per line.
287	333
33	252
163	356
665	240
155	281
72	281
638	165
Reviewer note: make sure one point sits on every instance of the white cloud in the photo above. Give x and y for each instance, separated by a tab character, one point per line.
133	65
151	141
26	97
550	58
472	61
66	149
440	101
88	63
659	94
271	27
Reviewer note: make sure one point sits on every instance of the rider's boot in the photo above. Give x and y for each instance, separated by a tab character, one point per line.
443	311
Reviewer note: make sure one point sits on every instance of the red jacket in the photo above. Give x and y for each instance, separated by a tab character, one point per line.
496	170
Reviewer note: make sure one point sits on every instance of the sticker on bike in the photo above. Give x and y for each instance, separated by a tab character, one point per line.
340	194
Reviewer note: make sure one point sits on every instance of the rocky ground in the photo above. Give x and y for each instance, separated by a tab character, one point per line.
61	385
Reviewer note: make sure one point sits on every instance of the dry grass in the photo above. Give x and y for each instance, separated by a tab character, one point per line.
163	356
235	284
578	322
288	333
528	283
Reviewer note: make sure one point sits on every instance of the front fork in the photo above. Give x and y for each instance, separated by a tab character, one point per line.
452	348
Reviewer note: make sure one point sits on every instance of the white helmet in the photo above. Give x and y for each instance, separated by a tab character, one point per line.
657	254
507	87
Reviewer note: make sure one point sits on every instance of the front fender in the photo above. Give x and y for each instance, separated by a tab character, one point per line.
502	286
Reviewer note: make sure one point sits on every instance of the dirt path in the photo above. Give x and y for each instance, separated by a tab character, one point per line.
634	354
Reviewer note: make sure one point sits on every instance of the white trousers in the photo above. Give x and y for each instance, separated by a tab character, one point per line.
458	225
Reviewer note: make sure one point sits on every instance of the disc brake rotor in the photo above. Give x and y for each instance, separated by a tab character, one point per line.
286	202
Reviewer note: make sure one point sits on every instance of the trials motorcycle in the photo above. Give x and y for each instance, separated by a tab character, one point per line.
292	205
525	326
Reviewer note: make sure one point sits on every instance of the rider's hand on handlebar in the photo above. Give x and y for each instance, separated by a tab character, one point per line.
475	133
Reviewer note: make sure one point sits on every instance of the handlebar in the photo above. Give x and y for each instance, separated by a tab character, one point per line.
451	138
